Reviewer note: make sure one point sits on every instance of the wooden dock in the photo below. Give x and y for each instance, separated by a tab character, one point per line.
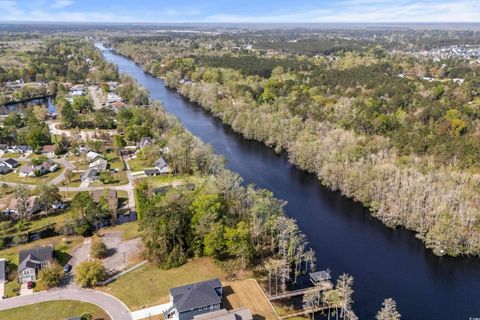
349	315
285	295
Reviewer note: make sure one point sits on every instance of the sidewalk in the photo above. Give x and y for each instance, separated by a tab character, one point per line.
149	312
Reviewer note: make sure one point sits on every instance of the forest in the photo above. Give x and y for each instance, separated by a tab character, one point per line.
368	122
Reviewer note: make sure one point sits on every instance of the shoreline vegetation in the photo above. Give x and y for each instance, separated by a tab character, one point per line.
438	202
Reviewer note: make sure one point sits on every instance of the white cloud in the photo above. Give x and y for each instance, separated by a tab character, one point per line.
59	4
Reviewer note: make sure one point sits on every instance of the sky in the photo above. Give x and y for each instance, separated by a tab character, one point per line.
238	11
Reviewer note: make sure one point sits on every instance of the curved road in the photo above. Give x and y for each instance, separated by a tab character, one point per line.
116	309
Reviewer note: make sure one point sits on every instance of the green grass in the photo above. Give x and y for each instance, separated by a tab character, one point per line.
54	310
7	228
149	284
119	179
11	155
14	177
167	179
75	181
139	164
129	230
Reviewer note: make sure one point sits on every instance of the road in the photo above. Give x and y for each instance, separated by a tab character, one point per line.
67	165
116	309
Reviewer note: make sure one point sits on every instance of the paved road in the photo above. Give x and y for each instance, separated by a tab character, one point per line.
116	309
67	165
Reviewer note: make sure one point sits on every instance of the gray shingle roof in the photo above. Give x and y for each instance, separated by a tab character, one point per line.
196	295
2	269
30	258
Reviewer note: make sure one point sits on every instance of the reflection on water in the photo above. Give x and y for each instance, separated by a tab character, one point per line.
21	106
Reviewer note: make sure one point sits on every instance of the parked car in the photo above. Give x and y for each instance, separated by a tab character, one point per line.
30	285
67	268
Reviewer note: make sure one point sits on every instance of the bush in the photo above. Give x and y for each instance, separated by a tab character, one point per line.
99	249
106	177
52	275
90	273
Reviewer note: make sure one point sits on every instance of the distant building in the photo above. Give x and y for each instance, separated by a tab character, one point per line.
90	175
31	261
48	150
145	141
112	97
33	205
4	169
162	166
194	299
93	156
11	163
99	164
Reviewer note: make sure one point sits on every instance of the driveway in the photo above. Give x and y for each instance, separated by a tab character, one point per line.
116	309
24	291
120	250
79	255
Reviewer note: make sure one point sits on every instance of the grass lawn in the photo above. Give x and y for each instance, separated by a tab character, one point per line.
14	177
129	230
247	293
168	179
148	285
75	181
54	310
119	179
7	228
11	155
139	164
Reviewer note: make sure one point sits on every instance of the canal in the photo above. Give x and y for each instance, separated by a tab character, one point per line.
384	262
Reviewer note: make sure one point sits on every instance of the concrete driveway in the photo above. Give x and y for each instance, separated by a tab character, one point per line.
116	309
79	255
120	250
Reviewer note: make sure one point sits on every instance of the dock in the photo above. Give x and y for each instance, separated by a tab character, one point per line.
325	286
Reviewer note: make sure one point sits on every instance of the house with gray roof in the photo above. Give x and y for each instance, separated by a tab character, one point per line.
31	261
4	169
194	299
11	163
162	166
90	175
237	314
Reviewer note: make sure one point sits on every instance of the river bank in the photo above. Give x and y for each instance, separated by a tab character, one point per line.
384	263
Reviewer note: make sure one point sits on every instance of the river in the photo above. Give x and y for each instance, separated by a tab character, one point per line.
47	102
384	262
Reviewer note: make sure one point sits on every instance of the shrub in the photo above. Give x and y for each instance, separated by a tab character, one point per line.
52	275
90	273
99	249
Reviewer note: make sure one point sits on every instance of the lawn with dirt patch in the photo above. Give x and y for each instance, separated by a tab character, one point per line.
247	293
54	310
148	285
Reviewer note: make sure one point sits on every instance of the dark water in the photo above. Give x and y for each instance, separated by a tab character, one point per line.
21	106
385	263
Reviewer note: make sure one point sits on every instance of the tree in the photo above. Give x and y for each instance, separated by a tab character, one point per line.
344	288
99	250
86	316
52	275
48	195
388	311
90	273
206	210
69	116
68	174
238	242
21	193
311	300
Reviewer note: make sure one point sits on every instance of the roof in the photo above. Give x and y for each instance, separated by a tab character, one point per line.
196	295
320	276
92	155
237	314
100	164
91	173
160	163
28	258
27	169
4	168
48	148
11	162
151	171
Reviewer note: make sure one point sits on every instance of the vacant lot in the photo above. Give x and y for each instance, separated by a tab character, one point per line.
14	177
54	310
148	285
246	293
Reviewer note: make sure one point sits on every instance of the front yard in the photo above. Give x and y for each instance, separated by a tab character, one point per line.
14	177
54	310
148	285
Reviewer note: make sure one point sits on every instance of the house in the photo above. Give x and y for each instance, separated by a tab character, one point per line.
237	314
11	163
27	171
111	197
90	175
118	105
99	164
31	261
92	156
48	150
112	97
47	166
151	172
22	149
162	166
4	169
33	205
3	149
194	299
145	141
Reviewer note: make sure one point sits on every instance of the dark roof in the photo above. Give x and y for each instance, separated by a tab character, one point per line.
196	295
151	171
11	162
162	190
30	258
320	276
39	253
91	173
